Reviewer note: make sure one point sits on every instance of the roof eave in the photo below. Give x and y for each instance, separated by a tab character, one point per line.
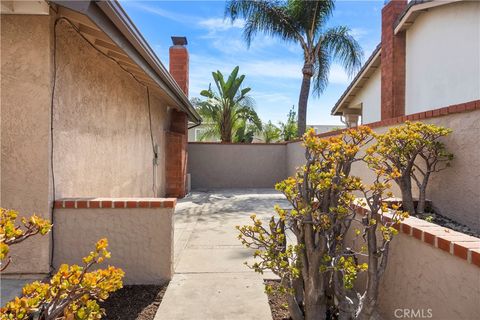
414	9
110	17
366	67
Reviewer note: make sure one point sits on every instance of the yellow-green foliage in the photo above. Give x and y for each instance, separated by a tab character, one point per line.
322	196
10	233
72	293
411	151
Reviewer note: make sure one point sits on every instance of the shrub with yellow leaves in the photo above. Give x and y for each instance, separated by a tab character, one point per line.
412	151
319	267
72	293
11	234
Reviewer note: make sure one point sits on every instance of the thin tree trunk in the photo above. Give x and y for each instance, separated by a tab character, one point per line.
303	99
315	299
422	194
370	302
405	185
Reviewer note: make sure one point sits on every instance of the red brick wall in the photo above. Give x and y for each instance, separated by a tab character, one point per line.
176	165
393	62
179	61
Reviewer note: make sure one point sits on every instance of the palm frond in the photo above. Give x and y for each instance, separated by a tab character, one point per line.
321	71
342	46
269	17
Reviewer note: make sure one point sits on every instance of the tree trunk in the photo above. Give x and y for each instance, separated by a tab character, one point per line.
315	304
303	99
405	185
370	301
422	194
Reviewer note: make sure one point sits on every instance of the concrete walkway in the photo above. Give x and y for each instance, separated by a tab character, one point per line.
211	282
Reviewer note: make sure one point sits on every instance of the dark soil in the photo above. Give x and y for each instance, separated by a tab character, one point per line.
448	223
134	302
278	302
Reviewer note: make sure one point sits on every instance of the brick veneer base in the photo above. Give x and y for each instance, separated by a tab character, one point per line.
455	243
115	203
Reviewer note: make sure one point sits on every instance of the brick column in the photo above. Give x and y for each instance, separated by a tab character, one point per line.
176	170
393	62
176	164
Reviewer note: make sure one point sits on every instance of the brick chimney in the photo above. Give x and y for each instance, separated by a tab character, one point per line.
179	62
177	135
393	62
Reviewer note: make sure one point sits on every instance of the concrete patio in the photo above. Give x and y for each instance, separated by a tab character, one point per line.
211	281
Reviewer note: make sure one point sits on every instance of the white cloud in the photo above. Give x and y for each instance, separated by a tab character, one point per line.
358	33
219	24
162	12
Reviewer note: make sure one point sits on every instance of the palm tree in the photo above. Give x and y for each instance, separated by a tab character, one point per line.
228	109
270	132
303	22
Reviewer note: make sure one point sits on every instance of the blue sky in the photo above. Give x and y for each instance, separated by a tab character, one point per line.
272	67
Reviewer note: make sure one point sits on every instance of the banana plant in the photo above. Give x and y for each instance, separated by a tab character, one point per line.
227	109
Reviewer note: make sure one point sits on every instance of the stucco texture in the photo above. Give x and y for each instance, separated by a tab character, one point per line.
443	57
455	191
25	130
213	165
102	144
419	276
140	240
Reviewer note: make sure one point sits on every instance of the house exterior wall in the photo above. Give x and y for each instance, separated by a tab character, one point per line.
219	165
369	97
102	144
25	130
443	57
101	136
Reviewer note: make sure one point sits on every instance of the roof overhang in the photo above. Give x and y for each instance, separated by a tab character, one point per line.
107	26
416	8
38	7
370	66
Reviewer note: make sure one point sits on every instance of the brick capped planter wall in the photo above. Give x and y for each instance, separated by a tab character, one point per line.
464	120
431	267
139	232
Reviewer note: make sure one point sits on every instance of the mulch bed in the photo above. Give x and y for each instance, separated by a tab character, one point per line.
449	223
277	301
139	302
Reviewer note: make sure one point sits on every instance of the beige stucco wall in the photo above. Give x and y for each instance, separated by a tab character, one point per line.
25	130
140	240
455	192
369	97
419	276
443	57
236	165
102	143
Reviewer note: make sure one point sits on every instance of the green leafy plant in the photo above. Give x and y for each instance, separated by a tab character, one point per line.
72	293
270	132
415	151
289	129
319	267
228	109
306	24
11	234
